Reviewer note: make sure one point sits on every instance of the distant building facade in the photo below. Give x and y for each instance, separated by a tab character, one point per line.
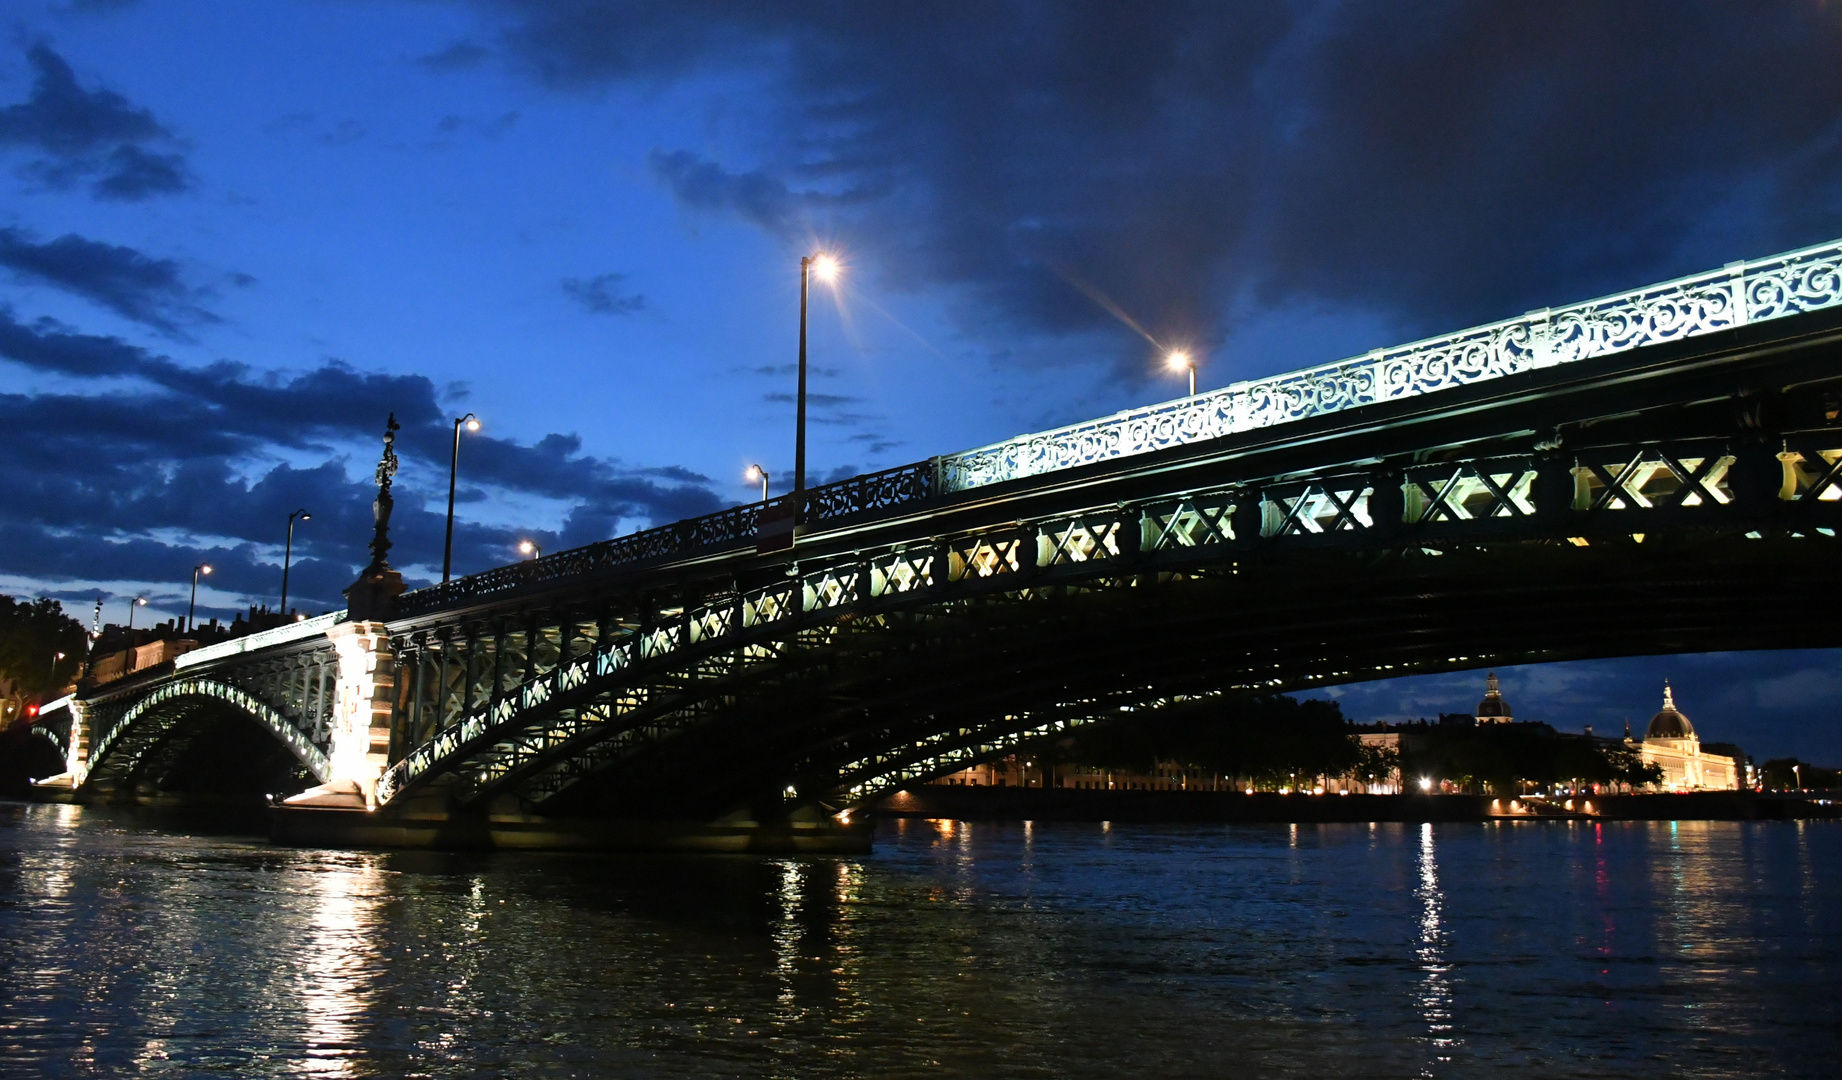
1493	709
1670	743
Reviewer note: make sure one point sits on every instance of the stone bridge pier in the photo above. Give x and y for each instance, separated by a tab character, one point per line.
363	697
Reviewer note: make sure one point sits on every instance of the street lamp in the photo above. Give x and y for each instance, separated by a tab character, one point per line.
756	472
287	553
471	423
1180	361
139	601
528	547
826	268
192	608
1798	772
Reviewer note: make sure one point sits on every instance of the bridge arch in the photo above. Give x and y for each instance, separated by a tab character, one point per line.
124	744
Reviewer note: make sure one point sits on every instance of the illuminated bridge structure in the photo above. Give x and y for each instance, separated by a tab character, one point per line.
1654	472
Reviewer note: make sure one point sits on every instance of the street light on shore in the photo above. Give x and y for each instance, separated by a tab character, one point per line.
529	547
826	268
139	601
756	472
1180	361
287	554
191	610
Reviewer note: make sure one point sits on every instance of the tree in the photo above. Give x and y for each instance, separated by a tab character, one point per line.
32	633
1501	757
1270	739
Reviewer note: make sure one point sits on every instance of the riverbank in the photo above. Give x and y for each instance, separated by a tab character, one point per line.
1064	804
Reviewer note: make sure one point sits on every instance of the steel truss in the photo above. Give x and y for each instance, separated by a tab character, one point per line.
571	700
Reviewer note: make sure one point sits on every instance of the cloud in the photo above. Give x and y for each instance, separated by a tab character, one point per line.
601	295
131	174
1200	164
135	286
89	133
823	401
108	481
457	56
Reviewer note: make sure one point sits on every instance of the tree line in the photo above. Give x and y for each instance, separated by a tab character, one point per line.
1276	740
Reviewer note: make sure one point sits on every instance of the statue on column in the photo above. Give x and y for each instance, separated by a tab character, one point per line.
374	594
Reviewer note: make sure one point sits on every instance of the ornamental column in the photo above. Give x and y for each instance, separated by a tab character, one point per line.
366	688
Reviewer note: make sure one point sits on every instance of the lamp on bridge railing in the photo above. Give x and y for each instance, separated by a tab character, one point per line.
287	554
1180	361
826	268
756	472
192	609
471	423
529	547
139	601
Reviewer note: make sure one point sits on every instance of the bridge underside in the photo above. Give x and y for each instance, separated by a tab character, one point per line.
198	750
878	701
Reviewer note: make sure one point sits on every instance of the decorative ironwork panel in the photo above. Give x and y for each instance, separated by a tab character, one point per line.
1769	288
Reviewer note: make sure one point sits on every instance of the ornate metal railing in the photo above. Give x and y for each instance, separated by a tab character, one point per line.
734	526
1743	292
1740	293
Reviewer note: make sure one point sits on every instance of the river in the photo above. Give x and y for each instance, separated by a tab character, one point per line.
1539	949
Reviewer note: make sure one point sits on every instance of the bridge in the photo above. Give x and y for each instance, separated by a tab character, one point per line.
1658	471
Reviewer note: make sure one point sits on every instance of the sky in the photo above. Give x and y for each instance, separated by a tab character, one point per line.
234	238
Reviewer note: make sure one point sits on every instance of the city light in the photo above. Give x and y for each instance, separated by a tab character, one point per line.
526	547
1179	360
1426	783
756	472
473	423
824	267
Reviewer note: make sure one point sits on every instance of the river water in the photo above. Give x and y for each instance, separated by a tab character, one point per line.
1540	949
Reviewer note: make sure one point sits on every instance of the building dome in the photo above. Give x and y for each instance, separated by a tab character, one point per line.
1493	709
1669	724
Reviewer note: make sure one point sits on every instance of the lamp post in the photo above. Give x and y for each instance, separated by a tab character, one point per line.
529	547
827	268
756	472
139	601
1798	772
1180	361
191	610
287	553
471	423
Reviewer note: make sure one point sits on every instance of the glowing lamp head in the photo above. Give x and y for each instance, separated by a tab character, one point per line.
141	600
824	267
525	547
204	569
305	516
472	424
753	473
1177	361
1426	783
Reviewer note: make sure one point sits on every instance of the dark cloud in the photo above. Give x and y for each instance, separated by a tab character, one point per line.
1195	163
455	57
95	484
131	174
132	284
64	119
824	401
89	133
454	124
601	295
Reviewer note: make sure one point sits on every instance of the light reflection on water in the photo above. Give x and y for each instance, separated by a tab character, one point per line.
1540	948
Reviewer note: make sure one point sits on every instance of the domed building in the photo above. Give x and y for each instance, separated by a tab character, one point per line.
1671	744
1493	709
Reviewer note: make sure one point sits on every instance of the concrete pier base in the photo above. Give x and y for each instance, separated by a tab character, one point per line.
311	826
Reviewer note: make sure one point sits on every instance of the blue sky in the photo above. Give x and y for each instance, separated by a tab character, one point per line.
233	237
